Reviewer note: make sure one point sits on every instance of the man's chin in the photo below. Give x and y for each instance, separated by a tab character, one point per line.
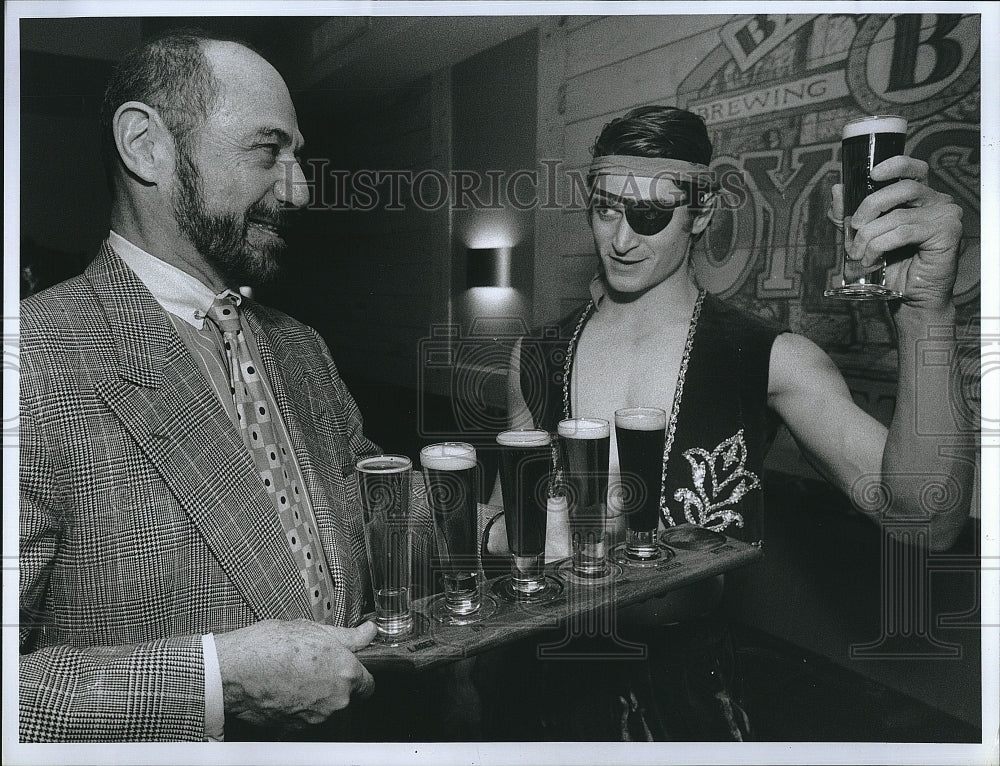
261	272
255	267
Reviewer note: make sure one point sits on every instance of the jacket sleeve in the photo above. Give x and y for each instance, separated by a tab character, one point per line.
144	692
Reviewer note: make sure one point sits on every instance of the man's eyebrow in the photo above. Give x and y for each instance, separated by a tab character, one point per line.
283	137
607	197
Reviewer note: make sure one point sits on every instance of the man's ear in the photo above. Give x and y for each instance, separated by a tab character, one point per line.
704	215
144	144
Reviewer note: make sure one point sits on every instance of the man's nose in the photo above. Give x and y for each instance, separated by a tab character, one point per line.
624	236
292	188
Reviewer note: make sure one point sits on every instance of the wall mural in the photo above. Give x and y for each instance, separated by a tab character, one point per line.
775	94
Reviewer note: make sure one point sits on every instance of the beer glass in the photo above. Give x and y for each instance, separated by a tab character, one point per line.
384	482
584	444
639	432
866	142
450	475
525	466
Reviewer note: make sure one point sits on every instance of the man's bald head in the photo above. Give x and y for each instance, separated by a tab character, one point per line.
176	73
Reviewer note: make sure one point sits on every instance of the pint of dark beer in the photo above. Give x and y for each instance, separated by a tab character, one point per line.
866	142
584	444
639	432
525	465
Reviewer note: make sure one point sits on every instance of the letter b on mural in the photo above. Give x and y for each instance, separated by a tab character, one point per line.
775	94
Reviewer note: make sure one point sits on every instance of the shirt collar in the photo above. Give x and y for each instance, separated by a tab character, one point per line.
178	292
597	290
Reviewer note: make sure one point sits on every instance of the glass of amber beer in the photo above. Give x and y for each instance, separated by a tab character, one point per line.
584	444
451	478
866	142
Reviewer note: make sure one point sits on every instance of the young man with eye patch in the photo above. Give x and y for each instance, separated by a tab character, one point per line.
651	336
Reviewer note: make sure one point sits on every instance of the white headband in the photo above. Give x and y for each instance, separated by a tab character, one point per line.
651	170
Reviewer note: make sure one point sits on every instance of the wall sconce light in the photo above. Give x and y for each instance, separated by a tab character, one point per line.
488	266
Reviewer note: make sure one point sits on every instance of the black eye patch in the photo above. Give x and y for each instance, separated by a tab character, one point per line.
646	218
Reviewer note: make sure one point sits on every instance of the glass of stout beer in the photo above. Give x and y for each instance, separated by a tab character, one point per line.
867	141
451	478
584	444
525	466
384	482
639	432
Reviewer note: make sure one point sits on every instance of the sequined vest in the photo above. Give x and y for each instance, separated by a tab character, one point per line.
719	430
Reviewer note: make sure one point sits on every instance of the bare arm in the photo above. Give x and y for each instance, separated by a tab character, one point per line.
518	416
897	472
840	440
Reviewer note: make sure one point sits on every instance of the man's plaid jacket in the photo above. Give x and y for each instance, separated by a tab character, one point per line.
143	522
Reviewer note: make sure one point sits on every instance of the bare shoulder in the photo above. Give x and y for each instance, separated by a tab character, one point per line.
799	366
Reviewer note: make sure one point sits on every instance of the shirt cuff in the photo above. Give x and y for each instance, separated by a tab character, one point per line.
215	713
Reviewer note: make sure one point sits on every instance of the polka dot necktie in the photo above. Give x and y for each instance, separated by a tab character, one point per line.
270	455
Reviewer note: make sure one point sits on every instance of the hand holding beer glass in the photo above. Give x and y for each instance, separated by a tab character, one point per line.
525	467
450	475
584	444
639	432
384	482
866	142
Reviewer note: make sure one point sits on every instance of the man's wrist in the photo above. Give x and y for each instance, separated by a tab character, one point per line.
916	318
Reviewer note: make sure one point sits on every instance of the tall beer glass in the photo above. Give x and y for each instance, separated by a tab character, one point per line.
450	475
584	444
639	432
866	142
525	467
384	482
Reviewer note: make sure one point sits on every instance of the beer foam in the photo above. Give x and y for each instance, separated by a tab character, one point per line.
584	428
641	419
889	123
526	438
452	456
385	464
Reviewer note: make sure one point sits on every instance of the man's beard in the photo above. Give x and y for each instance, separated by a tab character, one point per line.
224	239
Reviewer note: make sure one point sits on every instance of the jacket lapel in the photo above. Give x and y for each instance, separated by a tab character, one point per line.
164	402
305	411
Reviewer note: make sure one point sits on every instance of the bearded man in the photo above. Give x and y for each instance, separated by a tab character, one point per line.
191	557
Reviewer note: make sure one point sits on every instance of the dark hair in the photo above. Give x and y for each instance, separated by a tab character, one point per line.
656	131
170	73
660	131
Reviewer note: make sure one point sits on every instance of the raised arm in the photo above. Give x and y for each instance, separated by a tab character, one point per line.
898	472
